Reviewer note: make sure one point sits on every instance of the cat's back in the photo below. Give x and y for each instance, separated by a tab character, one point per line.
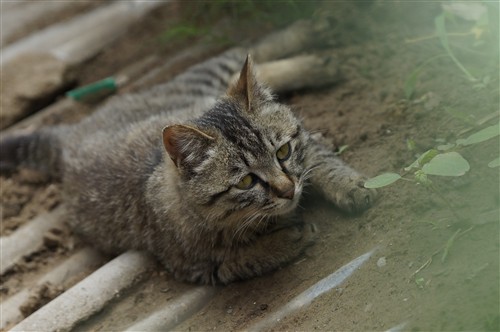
185	97
131	150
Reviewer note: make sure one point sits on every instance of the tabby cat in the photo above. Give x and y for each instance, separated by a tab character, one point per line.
213	198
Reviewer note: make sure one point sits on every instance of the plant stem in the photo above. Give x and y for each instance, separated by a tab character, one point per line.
450	34
440	23
448	245
466	72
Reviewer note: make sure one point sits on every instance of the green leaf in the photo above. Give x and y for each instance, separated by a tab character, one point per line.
426	157
410	83
410	144
439	23
447	164
481	136
422	178
413	165
494	163
341	150
423	159
382	180
445	147
183	32
420	282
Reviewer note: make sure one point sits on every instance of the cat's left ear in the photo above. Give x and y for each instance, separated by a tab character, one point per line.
186	145
247	89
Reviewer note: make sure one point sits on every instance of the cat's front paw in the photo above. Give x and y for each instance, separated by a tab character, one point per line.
355	197
269	252
303	234
296	237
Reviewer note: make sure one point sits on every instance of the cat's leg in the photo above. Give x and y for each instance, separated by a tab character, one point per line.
299	72
295	38
267	253
337	181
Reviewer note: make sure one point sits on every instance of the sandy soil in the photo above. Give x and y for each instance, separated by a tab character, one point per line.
378	46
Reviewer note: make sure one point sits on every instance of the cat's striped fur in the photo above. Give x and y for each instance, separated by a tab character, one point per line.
213	197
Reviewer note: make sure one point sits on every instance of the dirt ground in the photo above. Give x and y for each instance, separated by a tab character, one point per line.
452	243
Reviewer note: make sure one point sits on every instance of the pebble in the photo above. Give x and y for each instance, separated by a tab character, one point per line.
381	262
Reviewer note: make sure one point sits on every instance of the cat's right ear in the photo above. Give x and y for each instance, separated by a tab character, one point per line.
185	144
244	89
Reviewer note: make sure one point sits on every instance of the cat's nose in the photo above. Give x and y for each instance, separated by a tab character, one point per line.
288	194
283	187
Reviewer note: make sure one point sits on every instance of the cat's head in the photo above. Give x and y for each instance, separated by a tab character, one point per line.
243	159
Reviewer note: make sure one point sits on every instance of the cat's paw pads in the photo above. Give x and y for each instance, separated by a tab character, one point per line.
356	198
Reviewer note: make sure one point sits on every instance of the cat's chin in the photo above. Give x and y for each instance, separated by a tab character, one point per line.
286	207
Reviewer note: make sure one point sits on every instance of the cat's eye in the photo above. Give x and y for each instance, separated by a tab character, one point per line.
247	182
284	152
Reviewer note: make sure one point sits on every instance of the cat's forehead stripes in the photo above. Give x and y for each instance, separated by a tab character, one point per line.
235	128
281	138
296	133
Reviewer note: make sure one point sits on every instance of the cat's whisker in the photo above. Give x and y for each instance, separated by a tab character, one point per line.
244	228
262	217
315	132
245	223
306	186
308	172
299	206
270	207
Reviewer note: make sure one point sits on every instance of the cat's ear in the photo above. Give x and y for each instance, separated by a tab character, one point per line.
246	86
186	144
